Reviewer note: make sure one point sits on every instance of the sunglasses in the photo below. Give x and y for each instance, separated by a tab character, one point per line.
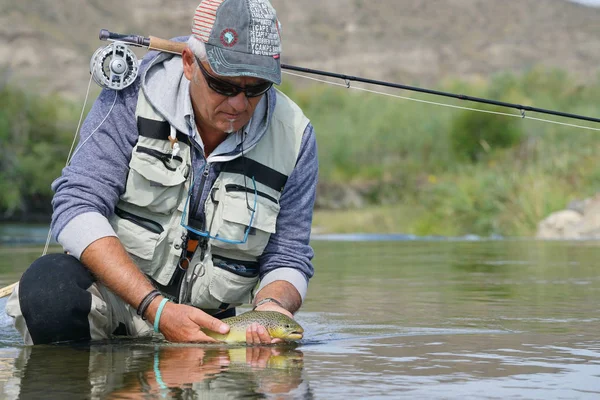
229	89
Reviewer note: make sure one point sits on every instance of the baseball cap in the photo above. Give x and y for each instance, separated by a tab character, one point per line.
242	37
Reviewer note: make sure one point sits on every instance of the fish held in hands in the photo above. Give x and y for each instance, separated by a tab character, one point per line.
278	325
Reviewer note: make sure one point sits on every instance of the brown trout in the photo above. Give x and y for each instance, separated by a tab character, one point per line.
277	324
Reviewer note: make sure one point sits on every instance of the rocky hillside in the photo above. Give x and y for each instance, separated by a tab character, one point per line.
47	44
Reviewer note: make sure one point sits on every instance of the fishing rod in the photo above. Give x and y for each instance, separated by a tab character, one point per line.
169	46
115	67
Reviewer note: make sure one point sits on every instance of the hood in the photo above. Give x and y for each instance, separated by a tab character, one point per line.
167	90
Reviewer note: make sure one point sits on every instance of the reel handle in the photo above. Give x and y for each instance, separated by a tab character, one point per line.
152	42
165	45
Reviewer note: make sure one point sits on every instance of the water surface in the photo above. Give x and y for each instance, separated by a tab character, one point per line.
406	318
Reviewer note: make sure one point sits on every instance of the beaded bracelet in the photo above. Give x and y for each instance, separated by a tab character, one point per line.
158	313
145	303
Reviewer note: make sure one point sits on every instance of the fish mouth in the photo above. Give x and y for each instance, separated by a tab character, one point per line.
295	335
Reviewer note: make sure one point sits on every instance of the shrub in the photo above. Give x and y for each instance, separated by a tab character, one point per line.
33	146
475	134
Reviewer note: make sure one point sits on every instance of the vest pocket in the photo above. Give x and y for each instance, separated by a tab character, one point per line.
219	288
236	215
138	235
142	222
155	180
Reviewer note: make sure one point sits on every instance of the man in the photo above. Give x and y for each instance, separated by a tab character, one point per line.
191	192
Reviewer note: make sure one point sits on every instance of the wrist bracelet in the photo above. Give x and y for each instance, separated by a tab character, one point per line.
146	302
267	300
158	313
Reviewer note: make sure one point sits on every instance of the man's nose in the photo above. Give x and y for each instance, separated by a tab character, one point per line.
239	102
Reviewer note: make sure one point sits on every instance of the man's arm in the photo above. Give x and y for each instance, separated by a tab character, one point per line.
280	296
89	187
288	254
284	295
286	262
109	262
86	195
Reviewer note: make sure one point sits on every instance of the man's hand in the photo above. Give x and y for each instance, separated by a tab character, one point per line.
258	356
182	323
257	334
287	295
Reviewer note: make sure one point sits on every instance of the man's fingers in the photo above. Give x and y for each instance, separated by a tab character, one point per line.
209	322
201	337
252	335
182	323
258	356
257	334
263	335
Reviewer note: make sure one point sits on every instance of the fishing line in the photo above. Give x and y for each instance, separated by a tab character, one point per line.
119	59
95	129
71	153
522	115
115	67
87	94
520	107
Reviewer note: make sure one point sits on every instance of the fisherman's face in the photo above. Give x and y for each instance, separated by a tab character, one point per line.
216	112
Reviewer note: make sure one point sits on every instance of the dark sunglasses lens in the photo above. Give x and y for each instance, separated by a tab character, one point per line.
223	88
231	90
257	90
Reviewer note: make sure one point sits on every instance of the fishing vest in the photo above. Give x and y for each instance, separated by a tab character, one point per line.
148	217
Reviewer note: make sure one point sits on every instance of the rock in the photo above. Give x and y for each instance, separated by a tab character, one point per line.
558	225
581	220
338	197
578	205
589	227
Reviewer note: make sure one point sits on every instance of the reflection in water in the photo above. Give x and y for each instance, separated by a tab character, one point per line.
419	319
451	365
153	370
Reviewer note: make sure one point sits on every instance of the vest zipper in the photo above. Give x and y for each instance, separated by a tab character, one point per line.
205	174
232	187
164	157
145	223
202	241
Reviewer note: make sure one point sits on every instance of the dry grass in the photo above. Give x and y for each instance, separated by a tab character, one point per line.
48	43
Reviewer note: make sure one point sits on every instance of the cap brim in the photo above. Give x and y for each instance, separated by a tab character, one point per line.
232	63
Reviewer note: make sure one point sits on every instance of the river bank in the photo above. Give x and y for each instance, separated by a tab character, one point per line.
386	165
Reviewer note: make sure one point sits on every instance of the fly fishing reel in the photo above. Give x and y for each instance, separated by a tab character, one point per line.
114	66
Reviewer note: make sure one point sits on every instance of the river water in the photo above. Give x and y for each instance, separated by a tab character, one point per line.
402	318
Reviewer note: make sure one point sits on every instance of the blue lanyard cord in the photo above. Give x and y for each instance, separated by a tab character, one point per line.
207	233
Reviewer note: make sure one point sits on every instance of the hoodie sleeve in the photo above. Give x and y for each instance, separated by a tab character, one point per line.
89	188
288	254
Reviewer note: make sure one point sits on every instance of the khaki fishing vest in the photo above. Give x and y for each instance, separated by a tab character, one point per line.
148	216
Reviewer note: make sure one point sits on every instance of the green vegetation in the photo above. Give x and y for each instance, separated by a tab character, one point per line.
474	134
419	168
35	135
432	170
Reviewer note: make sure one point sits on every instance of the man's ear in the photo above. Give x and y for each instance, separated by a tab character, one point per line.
189	61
